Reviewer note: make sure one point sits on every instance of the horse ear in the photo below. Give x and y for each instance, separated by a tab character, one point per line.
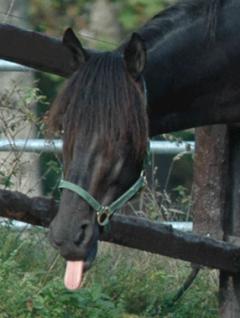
72	42
135	55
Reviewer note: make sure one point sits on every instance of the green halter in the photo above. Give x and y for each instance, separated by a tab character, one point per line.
105	212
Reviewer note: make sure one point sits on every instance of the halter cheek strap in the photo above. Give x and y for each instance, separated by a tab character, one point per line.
105	212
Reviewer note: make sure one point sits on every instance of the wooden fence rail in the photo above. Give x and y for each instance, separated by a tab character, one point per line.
133	232
48	54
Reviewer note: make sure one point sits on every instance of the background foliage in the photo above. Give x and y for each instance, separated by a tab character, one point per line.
124	283
54	16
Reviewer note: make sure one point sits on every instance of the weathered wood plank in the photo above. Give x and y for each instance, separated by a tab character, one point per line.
133	232
35	50
160	239
18	206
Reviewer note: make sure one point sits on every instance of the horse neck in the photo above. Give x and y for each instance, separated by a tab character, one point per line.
186	71
175	17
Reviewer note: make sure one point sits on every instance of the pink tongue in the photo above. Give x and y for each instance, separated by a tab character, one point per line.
74	274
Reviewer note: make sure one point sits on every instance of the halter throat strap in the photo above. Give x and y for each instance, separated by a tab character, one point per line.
105	212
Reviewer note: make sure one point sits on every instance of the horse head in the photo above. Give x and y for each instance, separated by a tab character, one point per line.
101	112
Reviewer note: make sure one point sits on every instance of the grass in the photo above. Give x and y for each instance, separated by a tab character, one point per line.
123	283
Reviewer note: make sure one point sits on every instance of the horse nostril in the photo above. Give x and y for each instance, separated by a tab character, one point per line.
80	236
57	243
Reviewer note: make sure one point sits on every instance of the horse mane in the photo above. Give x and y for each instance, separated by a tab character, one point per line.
101	98
179	15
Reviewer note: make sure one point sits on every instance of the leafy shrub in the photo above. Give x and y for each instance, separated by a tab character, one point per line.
123	283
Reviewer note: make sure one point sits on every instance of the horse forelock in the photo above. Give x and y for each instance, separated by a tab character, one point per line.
101	99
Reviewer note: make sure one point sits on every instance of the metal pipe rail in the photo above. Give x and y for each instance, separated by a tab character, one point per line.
31	145
55	145
6	66
180	226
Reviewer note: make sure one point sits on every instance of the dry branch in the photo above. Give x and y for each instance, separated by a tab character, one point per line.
133	232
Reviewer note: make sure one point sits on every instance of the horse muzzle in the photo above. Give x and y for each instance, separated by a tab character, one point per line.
78	242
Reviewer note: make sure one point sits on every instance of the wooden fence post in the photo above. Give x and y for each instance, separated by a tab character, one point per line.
216	200
210	173
210	191
229	283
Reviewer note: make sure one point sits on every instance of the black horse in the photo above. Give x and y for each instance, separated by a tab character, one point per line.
116	100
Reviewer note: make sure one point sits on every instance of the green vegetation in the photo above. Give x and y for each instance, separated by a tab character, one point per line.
136	12
54	16
123	283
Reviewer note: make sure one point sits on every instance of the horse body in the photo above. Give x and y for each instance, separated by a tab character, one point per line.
192	71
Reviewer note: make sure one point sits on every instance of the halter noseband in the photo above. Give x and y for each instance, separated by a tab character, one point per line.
105	212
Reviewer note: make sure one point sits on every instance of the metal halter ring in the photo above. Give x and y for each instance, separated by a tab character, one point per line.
103	216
